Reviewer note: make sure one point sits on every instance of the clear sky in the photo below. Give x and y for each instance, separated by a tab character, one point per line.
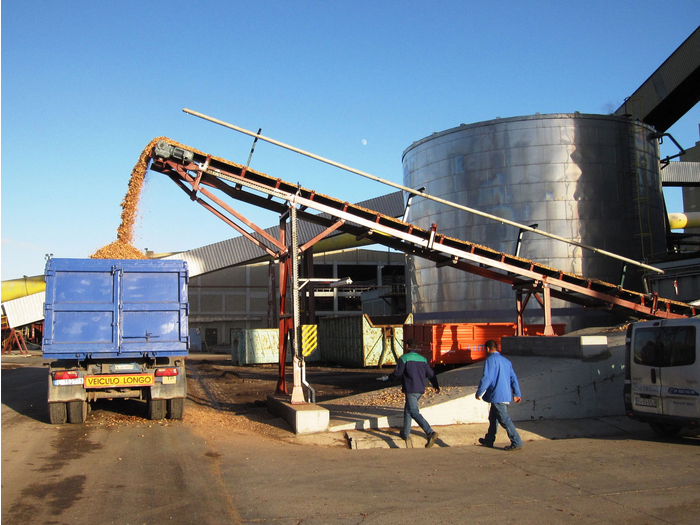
87	84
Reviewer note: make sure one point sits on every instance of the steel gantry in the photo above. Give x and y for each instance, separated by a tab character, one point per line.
198	174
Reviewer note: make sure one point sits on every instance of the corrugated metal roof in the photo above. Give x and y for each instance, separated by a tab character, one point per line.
391	204
238	250
681	174
25	310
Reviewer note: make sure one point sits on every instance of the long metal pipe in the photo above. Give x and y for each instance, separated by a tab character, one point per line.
679	221
419	193
16	288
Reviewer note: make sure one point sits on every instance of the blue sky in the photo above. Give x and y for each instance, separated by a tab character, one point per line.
87	84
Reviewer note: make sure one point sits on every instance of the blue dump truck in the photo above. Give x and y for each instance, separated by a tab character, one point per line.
115	329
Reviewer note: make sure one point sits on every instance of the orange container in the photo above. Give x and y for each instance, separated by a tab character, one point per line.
463	343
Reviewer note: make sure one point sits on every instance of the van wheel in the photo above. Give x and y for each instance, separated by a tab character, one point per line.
665	430
176	408
156	408
57	413
77	411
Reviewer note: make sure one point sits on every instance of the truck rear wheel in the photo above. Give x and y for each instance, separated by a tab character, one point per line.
156	408
176	408
77	411
57	413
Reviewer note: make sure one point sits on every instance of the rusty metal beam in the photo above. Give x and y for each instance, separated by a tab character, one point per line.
321	235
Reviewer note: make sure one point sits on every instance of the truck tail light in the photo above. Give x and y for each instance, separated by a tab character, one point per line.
68	374
161	372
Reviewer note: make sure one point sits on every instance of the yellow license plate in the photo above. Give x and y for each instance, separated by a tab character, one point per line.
118	380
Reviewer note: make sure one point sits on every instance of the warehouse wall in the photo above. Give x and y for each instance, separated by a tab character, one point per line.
237	297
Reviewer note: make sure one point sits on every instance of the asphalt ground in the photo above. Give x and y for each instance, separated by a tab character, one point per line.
449	435
598	470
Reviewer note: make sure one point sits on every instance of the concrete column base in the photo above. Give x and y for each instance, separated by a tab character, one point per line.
306	418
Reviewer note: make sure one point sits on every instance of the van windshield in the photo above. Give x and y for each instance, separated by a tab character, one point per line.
664	346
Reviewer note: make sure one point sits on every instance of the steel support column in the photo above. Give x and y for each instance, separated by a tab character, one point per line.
285	320
297	358
545	302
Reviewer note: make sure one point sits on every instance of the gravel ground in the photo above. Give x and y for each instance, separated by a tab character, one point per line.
224	398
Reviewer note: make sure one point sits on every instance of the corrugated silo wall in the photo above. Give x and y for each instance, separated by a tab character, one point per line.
590	178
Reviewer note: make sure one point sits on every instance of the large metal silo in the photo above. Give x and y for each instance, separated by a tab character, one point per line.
593	179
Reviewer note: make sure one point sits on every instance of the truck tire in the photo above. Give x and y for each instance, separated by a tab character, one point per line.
156	409
176	408
57	413
77	411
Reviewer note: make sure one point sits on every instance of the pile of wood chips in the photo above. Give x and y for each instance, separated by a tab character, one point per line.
395	398
118	250
619	328
385	398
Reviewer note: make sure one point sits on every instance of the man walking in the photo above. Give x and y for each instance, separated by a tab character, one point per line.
499	386
412	368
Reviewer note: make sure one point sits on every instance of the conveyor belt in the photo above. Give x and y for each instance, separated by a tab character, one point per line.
196	173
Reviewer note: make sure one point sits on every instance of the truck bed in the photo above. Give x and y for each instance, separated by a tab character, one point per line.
112	308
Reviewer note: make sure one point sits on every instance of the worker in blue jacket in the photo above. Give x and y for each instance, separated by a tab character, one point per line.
413	369
499	386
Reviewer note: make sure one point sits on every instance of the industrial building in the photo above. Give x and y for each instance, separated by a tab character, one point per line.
243	297
594	179
597	179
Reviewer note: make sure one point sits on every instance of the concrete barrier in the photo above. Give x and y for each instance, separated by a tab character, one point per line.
585	347
586	386
589	385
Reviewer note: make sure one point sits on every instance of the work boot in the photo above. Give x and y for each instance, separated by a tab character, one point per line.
511	448
431	439
485	443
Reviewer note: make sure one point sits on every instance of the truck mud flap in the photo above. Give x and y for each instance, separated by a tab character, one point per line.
172	391
65	393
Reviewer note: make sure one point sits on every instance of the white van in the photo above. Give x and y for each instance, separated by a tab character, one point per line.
662	374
